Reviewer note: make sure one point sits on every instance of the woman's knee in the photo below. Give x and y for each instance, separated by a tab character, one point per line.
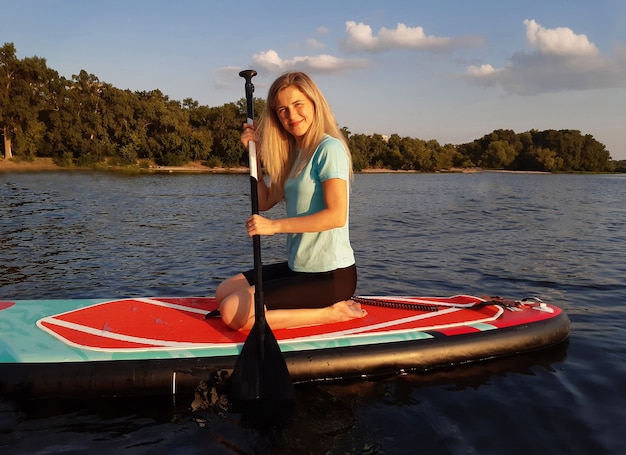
230	286
237	308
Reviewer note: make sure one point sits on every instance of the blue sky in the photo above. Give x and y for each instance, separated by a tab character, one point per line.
450	70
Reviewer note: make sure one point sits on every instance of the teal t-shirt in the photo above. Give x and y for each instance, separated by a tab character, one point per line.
326	250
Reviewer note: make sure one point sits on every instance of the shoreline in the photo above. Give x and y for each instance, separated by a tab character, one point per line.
47	165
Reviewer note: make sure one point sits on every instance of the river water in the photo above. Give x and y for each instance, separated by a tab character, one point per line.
559	237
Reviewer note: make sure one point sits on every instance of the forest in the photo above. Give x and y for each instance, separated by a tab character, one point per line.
85	122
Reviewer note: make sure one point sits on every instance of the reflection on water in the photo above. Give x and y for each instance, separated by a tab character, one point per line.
560	237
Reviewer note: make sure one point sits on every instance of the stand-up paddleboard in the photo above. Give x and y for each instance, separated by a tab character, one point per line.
140	346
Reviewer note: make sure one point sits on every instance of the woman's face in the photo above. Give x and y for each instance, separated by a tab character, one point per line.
295	111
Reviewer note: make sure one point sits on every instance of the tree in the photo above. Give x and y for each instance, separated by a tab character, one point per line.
120	126
24	93
226	122
359	148
379	150
547	160
202	136
499	154
8	74
447	157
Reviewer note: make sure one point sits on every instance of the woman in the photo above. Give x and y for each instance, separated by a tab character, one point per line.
310	167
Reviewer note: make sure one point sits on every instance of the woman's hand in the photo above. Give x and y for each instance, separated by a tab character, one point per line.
249	134
258	225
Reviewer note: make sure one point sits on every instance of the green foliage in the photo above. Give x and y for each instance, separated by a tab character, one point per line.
549	150
66	159
85	122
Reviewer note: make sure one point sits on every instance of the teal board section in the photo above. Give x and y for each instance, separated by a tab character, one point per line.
23	341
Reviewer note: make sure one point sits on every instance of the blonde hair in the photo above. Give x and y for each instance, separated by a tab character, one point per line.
278	148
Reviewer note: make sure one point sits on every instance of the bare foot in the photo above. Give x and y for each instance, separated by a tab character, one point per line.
346	310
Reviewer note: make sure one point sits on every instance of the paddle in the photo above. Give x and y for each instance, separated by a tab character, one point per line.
260	375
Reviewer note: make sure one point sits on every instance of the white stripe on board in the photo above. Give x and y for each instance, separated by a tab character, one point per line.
128	338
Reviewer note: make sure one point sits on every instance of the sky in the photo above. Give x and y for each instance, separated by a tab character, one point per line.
449	70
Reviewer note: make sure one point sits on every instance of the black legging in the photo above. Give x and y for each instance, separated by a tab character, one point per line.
285	289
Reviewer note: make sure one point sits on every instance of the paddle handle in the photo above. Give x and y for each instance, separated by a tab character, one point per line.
252	157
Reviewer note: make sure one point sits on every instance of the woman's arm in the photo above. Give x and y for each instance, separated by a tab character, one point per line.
334	215
269	196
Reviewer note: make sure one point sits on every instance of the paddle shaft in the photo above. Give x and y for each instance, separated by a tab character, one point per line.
259	308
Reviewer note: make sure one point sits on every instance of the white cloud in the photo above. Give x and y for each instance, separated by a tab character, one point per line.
359	37
558	41
559	60
324	63
314	44
483	70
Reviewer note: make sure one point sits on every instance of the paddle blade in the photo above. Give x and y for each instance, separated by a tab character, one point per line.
261	373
